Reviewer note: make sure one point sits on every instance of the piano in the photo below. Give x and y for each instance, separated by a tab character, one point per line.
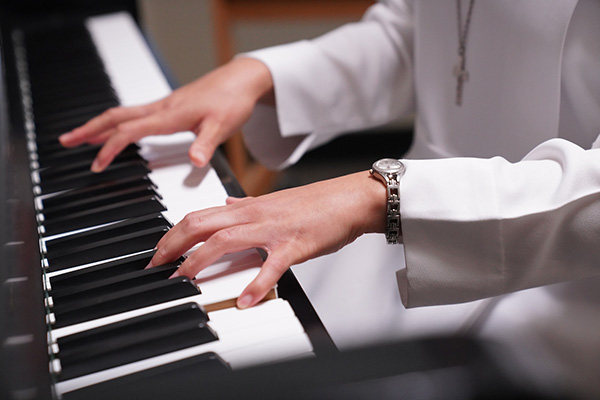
79	308
80	317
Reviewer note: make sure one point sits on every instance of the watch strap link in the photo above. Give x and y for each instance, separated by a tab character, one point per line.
392	232
389	171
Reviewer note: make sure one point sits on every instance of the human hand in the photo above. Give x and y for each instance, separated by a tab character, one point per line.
214	107
292	226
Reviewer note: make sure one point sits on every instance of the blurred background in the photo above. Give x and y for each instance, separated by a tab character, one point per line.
183	31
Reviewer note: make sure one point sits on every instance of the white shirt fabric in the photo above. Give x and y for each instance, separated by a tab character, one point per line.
499	195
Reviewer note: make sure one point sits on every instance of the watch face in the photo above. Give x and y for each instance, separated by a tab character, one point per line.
388	166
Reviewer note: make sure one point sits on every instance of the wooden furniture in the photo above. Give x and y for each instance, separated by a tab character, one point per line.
254	178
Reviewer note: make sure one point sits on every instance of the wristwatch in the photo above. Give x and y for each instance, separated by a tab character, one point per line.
389	171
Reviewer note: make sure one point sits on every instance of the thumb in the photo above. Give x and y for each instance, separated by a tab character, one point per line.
266	279
208	138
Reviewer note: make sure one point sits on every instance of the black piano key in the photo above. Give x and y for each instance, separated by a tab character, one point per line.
60	246
100	86
54	150
69	167
43	117
128	244
126	300
103	215
96	203
54	77
74	196
75	202
55	62
164	381
66	96
98	272
133	340
113	284
49	133
55	155
50	151
81	48
43	48
112	173
52	130
67	156
57	76
71	345
70	74
42	95
60	103
97	189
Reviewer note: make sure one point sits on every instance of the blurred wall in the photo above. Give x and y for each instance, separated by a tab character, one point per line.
182	32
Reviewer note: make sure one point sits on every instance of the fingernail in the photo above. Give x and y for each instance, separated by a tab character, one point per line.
96	166
175	274
64	136
245	301
199	158
150	265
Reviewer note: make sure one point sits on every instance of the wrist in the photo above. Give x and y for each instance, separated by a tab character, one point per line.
257	79
376	194
370	206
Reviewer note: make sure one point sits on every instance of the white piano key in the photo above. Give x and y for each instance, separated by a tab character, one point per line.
134	72
186	188
277	350
232	319
231	273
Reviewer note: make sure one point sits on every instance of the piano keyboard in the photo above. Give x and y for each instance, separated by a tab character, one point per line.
109	318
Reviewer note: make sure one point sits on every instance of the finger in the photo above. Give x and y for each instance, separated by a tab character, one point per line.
229	240
195	227
196	262
125	134
105	121
268	276
209	137
113	146
101	138
179	239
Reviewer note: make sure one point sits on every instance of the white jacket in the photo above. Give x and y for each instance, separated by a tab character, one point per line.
501	193
473	227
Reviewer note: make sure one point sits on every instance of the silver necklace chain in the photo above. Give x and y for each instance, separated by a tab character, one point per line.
461	73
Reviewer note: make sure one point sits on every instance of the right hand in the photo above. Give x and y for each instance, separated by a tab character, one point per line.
214	107
291	226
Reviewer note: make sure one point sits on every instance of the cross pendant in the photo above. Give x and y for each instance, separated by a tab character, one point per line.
462	75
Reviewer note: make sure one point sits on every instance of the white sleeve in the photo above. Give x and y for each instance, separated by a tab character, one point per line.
475	228
355	77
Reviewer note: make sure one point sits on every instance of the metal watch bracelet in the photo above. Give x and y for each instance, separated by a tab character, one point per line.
389	171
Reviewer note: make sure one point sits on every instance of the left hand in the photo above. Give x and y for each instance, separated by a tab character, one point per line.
292	226
213	106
